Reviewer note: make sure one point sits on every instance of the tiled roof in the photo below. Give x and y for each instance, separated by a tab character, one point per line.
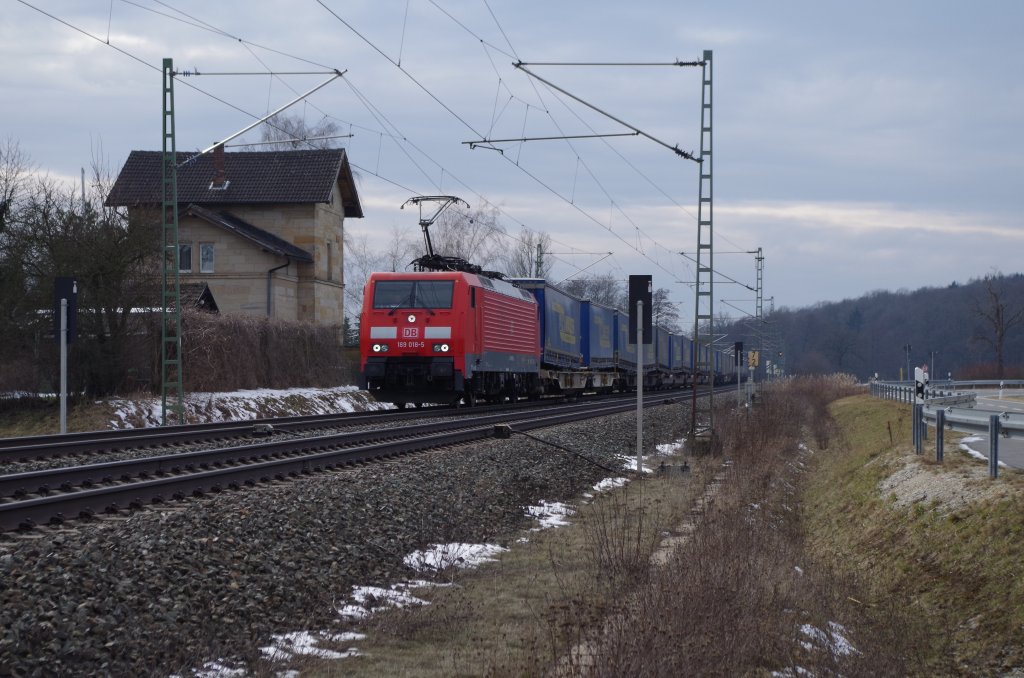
264	239
198	294
253	177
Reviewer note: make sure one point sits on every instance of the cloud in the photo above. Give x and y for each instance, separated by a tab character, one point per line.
867	219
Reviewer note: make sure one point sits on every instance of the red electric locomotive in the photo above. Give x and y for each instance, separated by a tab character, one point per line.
446	337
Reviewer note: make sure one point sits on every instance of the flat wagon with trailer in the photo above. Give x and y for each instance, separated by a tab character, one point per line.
567	347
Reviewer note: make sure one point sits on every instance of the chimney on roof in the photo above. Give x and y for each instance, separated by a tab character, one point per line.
220	178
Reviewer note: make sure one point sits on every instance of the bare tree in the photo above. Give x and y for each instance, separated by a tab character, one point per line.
400	250
475	236
49	232
529	255
663	311
15	171
360	262
361	259
284	132
604	289
998	317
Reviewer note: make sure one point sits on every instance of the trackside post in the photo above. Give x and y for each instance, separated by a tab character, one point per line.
639	387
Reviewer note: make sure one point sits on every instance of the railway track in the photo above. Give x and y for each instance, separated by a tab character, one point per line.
54	496
34	448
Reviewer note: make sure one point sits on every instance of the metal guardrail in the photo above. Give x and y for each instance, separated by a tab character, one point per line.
945	393
1011	425
1009	384
962	385
938	410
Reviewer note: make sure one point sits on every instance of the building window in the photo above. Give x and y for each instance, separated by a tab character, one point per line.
185	258
206	257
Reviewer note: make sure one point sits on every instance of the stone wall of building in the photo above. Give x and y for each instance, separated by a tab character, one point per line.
319	294
311	292
239	277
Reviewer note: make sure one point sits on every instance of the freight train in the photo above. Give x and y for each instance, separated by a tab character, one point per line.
459	337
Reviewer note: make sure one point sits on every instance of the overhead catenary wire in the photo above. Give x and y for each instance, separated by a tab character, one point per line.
197	73
579	160
471	128
399	140
474	144
248	45
202	25
199	89
214	29
433	96
572	201
612	63
337	74
289	141
678	151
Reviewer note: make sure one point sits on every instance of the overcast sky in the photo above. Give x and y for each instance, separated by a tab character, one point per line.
863	145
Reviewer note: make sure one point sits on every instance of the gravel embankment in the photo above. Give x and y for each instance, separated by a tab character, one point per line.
165	590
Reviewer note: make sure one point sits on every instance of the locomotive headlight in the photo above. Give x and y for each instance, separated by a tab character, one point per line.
411	318
441	348
380	348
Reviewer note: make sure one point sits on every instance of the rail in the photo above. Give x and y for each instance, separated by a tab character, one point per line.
88	442
51	496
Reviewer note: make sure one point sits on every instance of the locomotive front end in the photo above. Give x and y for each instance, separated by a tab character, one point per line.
410	339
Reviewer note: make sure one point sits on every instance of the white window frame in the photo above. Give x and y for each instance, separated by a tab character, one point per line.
205	247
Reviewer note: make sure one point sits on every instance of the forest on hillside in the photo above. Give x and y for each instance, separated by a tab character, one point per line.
955	328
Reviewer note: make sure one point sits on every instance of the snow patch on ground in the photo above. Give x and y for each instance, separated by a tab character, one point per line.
287	646
610	484
443	556
246	405
217	669
833	640
550	514
629	463
367	600
973	452
661	450
671	448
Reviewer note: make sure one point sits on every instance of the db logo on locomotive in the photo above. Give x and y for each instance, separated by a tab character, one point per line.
410	332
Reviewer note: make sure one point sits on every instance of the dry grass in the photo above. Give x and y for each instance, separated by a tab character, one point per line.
522	614
733	600
958	572
736	597
230	352
796	536
42	416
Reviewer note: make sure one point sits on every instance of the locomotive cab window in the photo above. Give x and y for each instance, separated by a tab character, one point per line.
413	294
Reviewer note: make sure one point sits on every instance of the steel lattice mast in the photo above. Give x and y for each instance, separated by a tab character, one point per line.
704	302
170	314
